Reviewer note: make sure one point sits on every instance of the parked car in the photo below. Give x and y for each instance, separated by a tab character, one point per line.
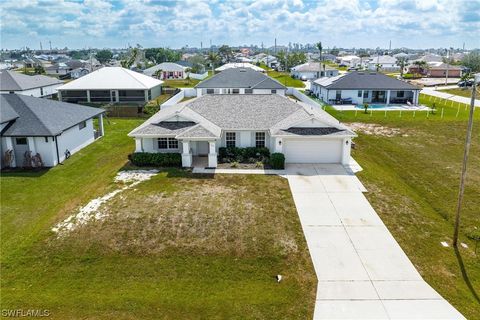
352	69
465	83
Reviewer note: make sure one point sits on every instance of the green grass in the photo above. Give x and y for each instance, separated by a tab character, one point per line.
464	92
283	77
179	246
183	83
413	181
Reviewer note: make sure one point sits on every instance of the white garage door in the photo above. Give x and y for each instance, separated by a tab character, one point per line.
312	151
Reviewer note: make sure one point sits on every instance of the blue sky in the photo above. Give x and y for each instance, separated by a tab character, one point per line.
151	23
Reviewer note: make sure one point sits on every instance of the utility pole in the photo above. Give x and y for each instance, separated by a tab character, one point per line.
41	48
50	42
468	139
448	66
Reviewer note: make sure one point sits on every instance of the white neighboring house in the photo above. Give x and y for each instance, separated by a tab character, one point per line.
312	71
365	87
35	86
240	81
385	63
111	85
54	130
169	70
350	61
199	127
231	65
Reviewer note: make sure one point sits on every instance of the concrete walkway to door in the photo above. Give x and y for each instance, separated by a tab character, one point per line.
362	271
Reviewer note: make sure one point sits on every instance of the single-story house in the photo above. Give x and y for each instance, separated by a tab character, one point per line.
199	127
349	61
439	70
35	130
312	71
385	63
78	73
365	87
231	65
111	85
167	70
35	86
64	68
240	81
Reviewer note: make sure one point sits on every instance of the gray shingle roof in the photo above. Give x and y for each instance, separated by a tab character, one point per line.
256	111
240	78
43	117
369	81
167	128
7	113
198	131
327	131
14	81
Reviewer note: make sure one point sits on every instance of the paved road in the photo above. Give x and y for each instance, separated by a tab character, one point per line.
448	96
362	271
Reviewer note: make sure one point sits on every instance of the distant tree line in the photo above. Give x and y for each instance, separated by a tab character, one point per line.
159	55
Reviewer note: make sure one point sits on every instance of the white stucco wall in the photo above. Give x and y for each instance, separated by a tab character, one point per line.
201	92
75	139
36	92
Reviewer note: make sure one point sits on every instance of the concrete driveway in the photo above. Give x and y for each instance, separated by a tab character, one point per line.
362	271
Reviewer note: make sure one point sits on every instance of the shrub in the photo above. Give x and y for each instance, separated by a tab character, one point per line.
249	154
277	161
146	159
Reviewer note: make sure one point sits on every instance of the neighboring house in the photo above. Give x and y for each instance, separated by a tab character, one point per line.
384	63
269	60
240	81
35	86
365	87
54	130
64	68
111	85
169	70
199	127
312	71
440	69
349	61
239	65
78	73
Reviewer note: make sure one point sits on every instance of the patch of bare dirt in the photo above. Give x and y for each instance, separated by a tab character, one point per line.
376	129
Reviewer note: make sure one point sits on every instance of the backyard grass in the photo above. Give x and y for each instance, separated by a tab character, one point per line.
283	77
413	180
464	92
182	83
178	246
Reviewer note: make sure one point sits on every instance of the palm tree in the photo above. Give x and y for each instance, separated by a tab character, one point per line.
320	48
213	58
421	65
402	62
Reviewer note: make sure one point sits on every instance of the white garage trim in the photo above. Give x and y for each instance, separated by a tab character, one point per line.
305	150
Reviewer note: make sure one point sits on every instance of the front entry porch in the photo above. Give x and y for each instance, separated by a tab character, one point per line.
199	153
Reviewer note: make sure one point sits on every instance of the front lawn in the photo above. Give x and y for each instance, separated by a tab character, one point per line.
285	79
464	92
413	178
178	246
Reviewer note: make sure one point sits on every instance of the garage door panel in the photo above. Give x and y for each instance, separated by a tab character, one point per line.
312	151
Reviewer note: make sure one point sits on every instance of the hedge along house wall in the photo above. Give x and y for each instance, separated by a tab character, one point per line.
146	159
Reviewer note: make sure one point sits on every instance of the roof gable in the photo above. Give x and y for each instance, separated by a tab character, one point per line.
14	81
44	117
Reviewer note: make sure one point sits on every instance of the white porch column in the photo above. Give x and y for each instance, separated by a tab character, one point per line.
388	97
138	145
31	145
416	95
9	145
212	154
146	95
59	95
278	145
88	96
186	155
117	96
100	124
347	145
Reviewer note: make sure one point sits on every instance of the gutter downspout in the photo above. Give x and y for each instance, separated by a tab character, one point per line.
56	147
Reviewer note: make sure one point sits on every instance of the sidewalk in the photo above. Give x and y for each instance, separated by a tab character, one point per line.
448	96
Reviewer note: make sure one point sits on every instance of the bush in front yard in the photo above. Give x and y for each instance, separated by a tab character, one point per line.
244	155
277	161
146	159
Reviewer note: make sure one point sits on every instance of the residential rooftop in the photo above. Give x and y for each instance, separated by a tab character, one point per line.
359	80
240	78
14	81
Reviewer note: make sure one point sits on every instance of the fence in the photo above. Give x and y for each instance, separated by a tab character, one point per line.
182	93
302	97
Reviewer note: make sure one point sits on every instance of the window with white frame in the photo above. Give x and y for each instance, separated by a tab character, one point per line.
230	139
210	91
235	91
248	91
167	143
274	91
359	93
260	139
82	125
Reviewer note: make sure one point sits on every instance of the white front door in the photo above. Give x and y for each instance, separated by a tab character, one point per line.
202	148
20	146
312	150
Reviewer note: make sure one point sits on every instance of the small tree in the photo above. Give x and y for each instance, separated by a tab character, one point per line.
402	62
365	107
104	56
39	69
